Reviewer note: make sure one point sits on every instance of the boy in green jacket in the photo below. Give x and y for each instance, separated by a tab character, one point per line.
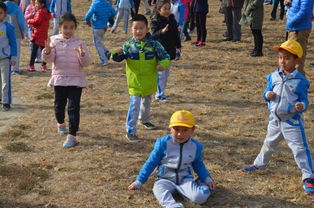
144	58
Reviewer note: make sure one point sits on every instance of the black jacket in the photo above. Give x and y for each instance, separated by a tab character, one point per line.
169	40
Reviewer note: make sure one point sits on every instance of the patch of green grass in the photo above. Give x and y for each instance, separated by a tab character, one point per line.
18	147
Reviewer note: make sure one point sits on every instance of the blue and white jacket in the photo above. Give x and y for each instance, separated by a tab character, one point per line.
177	9
101	11
16	18
299	15
8	47
60	7
289	89
125	4
175	161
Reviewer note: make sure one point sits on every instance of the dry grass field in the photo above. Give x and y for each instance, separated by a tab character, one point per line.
219	83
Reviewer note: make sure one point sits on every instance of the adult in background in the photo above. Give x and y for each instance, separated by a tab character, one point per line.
253	15
232	17
299	24
200	10
275	7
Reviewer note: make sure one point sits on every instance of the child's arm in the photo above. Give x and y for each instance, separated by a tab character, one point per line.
151	163
21	21
83	55
162	56
12	43
120	54
48	53
52	8
69	8
181	16
268	92
302	91
89	14
304	11
156	31
29	13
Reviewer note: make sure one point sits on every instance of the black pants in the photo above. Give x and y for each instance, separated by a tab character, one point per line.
258	40
73	95
232	18
137	6
282	9
201	26
34	54
192	16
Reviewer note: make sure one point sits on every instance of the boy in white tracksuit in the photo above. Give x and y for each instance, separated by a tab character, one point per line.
176	155
287	97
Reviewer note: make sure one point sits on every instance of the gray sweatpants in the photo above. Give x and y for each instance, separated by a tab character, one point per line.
122	13
293	132
5	81
195	193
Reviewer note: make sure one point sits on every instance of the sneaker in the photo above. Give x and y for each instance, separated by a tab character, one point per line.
194	43
16	72
30	68
308	185
200	44
70	141
149	125
62	129
108	55
250	168
43	68
162	99
6	107
101	64
132	138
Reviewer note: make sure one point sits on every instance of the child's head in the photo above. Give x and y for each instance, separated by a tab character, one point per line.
33	2
3	11
163	8
290	54
139	27
67	25
182	125
40	4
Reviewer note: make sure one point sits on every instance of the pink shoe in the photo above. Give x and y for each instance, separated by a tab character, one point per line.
30	68
43	68
200	44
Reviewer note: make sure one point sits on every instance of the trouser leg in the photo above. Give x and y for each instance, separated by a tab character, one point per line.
144	114
6	97
236	27
33	54
282	9
119	16
196	193
56	25
126	13
229	21
40	48
273	137
198	26
203	27
295	136
74	97
162	83
133	114
61	96
275	7
100	47
163	190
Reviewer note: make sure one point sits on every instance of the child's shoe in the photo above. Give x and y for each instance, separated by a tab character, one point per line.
162	99
200	44
30	68
6	107
132	138
43	68
70	141
250	168
62	128
308	185
149	125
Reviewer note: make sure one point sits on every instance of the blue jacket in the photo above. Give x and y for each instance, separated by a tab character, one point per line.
101	11
299	15
8	47
58	7
177	9
289	90
175	161
16	18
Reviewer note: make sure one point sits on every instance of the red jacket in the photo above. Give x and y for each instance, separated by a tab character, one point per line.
40	26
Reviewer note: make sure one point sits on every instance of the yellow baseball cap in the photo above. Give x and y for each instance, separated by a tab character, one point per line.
291	46
182	118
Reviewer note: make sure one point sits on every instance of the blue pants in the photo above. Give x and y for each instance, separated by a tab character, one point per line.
139	109
5	81
100	47
162	83
293	132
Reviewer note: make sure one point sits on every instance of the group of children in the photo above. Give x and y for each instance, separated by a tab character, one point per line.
147	58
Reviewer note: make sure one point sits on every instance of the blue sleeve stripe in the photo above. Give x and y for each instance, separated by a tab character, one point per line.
12	39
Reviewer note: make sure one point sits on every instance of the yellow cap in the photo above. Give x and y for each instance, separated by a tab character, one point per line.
291	46
182	118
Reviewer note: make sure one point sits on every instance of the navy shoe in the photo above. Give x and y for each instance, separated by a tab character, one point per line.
308	185
250	168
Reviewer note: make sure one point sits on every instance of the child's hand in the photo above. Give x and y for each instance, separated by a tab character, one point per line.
132	187
119	51
80	50
48	48
165	29
12	63
299	107
159	68
179	29
271	95
212	185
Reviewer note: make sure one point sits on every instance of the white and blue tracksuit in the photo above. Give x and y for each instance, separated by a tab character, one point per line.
123	8
100	11
177	9
175	163
285	122
59	8
8	51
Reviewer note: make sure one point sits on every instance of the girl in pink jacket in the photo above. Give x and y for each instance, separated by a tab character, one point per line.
68	55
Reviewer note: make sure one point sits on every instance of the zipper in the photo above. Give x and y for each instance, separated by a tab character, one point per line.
179	165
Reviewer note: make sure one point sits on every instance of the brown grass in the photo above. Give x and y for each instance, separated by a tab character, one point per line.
220	84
